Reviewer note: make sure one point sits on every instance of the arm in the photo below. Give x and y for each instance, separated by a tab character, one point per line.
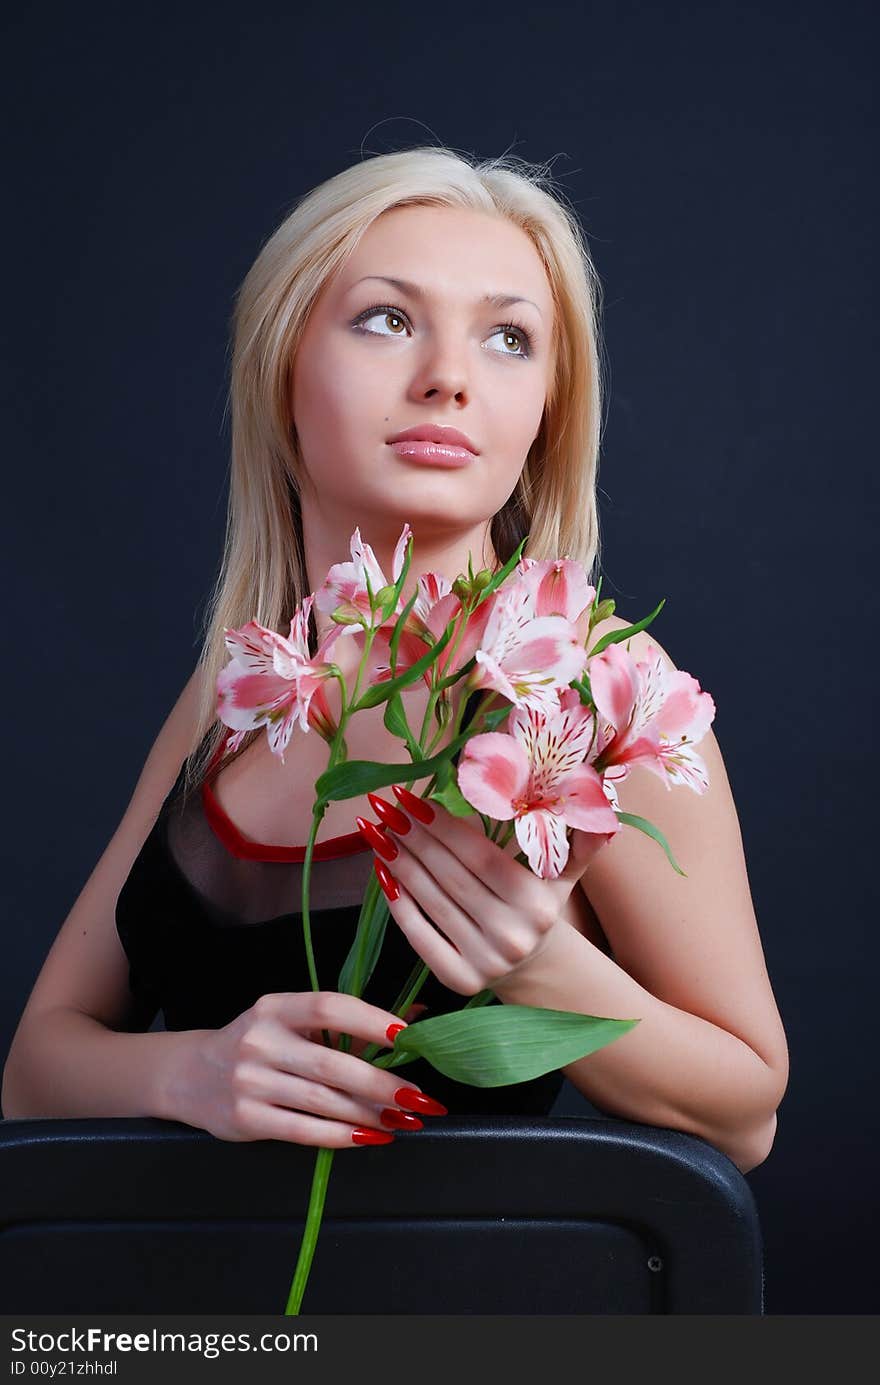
709	1056
673	1070
73	1065
71	1054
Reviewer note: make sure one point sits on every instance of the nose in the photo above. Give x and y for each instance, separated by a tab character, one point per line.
442	372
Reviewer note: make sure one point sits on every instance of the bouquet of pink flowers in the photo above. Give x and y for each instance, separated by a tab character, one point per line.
576	720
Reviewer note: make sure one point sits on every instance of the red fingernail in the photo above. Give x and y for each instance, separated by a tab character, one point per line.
387	813
387	881
420	810
371	1137
401	1120
377	839
417	1101
392	1031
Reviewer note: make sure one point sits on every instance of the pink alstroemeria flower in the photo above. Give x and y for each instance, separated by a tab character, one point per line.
658	715
559	587
435	606
524	656
345	586
536	774
270	680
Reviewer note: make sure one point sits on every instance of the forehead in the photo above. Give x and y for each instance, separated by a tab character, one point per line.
450	251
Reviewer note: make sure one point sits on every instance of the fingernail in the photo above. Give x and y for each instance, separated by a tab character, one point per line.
400	1120
420	810
371	1137
392	1031
387	881
377	839
387	813
412	1100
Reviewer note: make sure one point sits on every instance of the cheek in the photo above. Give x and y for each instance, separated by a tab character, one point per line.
335	408
516	425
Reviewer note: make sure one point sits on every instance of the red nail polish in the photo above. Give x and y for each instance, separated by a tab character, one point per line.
386	812
377	839
400	1120
392	1031
387	881
371	1137
417	1101
420	810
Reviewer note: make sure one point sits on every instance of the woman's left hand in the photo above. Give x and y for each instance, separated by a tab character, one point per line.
471	912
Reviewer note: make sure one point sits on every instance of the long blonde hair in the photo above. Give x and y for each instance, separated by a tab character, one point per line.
262	575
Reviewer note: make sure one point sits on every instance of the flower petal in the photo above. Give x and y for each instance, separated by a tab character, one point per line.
585	803
245	700
399	553
686	710
615	684
492	773
543	837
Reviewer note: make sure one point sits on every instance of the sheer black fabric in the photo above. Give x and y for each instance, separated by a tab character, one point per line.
207	933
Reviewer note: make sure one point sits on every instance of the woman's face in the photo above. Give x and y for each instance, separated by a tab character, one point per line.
376	359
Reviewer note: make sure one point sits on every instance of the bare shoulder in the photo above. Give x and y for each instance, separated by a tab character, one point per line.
693	940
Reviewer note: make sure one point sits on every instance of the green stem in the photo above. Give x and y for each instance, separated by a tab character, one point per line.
324	1158
314	1214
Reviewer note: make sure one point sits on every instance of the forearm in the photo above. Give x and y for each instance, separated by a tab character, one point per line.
673	1069
76	1066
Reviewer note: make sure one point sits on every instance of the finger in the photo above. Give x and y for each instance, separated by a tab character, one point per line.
276	1088
585	847
440	861
429	895
329	1066
445	961
337	1010
496	871
275	1123
489	934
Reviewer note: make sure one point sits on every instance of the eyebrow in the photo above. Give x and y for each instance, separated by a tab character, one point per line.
498	300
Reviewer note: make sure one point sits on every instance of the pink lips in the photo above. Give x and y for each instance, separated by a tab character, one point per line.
434	445
432	453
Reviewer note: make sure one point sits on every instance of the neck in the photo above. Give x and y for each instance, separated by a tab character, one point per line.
327	541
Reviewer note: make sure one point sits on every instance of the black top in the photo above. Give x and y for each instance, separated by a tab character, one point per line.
210	921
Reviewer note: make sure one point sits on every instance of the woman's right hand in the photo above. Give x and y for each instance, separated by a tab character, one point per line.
268	1075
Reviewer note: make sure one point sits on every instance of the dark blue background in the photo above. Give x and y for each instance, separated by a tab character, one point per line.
719	156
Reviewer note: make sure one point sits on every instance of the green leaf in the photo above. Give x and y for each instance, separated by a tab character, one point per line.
496	1045
494	718
362	776
379	692
453	800
401	619
633	820
585	692
503	573
616	636
372	923
443	775
396	722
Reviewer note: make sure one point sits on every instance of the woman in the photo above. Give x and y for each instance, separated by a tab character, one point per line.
412	291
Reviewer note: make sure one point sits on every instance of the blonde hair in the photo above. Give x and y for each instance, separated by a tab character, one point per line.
262	575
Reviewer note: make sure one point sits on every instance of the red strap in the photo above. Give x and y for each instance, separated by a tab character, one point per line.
328	850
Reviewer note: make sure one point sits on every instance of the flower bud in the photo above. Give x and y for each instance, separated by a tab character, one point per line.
341	617
462	588
443	709
482	579
385	596
603	611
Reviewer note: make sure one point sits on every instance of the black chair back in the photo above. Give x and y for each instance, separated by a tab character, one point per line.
498	1215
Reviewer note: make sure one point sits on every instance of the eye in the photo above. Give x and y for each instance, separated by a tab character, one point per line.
378	310
513	329
386	311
